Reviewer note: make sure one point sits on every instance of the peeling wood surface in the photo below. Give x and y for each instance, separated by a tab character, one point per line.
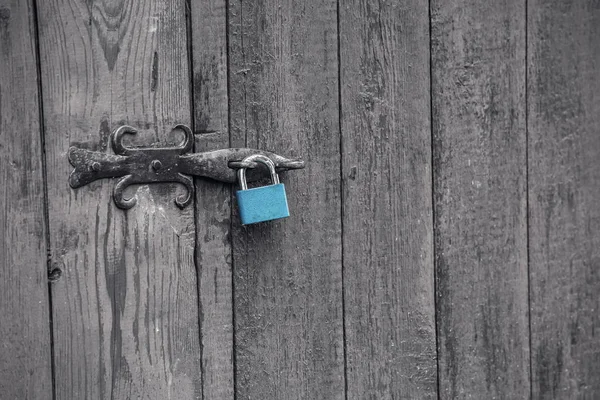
479	147
564	198
25	341
125	312
287	274
386	175
213	200
449	139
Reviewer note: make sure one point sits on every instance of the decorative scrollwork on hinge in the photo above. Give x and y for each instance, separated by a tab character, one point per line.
141	165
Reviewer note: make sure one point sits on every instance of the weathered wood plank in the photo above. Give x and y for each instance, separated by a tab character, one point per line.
287	274
564	195
386	155
213	200
25	360
126	309
479	138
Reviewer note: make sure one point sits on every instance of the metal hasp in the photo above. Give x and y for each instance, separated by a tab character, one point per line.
139	165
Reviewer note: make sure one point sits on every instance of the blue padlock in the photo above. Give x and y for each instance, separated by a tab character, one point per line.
264	203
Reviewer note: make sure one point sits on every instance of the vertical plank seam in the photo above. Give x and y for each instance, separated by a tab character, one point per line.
231	202
245	76
111	280
38	63
339	71
527	230
435	230
190	56
244	231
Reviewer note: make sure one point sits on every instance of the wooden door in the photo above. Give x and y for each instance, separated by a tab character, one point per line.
444	240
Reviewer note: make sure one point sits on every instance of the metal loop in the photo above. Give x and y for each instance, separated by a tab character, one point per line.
188	139
242	164
117	139
261	159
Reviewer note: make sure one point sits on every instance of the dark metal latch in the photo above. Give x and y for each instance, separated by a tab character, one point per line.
140	165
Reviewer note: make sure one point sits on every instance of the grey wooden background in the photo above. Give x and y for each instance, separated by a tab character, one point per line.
445	235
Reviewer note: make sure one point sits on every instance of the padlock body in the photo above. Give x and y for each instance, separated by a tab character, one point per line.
263	203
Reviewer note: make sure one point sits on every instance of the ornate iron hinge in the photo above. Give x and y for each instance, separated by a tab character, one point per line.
139	165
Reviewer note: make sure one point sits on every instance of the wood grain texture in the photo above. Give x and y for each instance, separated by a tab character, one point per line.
386	157
213	200
479	138
287	273
564	197
125	311
25	360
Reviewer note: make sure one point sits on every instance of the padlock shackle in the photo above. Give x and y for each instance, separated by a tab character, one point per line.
261	159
